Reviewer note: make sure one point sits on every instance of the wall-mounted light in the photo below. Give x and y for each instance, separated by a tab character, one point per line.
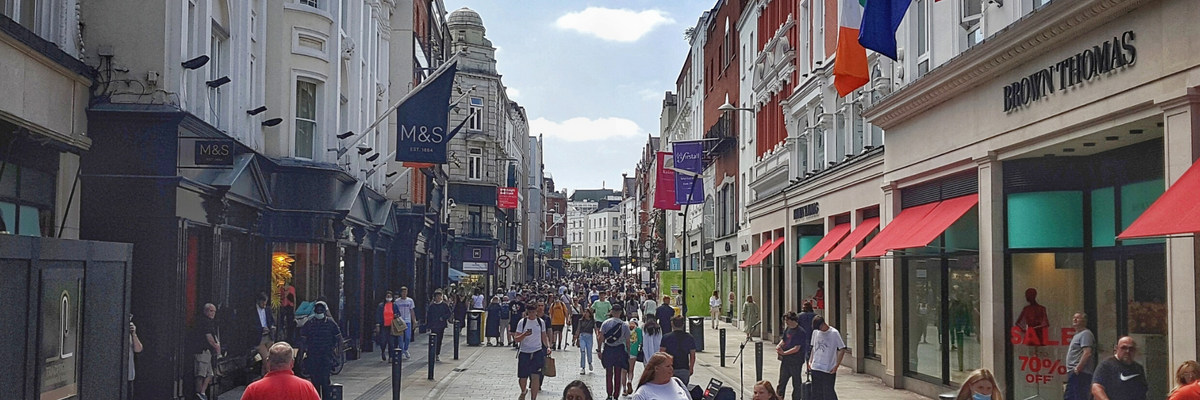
272	122
364	150
997	3
345	135
257	111
373	158
391	174
216	83
195	62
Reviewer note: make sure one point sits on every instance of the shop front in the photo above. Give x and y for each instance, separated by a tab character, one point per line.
1042	179
766	265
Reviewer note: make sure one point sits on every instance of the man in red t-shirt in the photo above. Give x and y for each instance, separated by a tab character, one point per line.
281	383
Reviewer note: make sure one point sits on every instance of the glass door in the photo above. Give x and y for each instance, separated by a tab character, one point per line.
1131	300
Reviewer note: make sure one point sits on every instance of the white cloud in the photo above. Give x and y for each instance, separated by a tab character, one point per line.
513	93
582	129
618	25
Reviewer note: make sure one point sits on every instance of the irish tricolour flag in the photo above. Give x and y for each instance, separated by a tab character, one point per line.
850	66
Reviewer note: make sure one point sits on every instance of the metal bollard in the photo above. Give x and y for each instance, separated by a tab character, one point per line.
758	360
457	327
722	347
396	372
433	338
333	391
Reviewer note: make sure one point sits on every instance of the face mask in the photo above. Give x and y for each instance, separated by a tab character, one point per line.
319	315
389	299
978	396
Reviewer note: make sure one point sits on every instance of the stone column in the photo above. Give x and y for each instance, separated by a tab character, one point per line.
892	298
991	266
1181	123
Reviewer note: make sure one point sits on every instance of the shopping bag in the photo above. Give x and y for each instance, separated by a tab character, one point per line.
549	370
806	388
398	326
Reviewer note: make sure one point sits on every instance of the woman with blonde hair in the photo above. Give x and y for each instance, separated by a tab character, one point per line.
1187	373
980	385
658	381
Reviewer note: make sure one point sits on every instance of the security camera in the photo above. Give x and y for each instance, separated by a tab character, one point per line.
450	203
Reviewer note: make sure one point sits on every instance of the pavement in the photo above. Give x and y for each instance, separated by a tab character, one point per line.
485	373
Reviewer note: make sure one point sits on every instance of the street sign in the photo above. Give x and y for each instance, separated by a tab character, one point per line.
503	261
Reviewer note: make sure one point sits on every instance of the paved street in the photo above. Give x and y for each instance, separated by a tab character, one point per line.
486	373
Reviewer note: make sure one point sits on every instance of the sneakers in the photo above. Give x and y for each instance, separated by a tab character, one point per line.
437	358
590	368
201	396
582	371
406	356
523	392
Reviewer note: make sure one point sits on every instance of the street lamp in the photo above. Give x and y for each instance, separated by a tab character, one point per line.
683	260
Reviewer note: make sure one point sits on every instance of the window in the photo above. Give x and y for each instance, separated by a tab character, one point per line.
475	165
972	13
306	118
922	9
311	3
218	66
475	117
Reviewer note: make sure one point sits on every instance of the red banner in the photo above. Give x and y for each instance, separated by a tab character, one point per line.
506	197
664	189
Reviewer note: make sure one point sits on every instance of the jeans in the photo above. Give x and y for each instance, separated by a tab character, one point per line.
1078	387
441	334
822	385
585	349
407	337
790	371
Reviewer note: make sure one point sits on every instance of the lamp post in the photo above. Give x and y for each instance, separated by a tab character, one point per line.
686	255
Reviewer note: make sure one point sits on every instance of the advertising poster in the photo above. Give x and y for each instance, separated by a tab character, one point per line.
506	197
688	189
664	189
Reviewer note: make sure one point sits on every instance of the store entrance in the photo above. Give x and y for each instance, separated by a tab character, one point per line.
1129	299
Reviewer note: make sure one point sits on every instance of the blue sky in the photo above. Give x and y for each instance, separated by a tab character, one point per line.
591	75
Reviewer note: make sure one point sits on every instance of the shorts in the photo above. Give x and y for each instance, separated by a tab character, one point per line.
204	364
614	357
557	328
530	363
512	324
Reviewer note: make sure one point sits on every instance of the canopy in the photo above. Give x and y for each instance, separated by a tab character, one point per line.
1177	211
918	226
763	252
850	242
831	239
456	275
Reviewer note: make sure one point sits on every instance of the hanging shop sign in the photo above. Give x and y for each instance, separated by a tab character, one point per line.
506	197
688	189
1101	59
664	189
214	152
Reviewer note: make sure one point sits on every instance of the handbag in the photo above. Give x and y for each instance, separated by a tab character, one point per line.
549	370
398	326
806	388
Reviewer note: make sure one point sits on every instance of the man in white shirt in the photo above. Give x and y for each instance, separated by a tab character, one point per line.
828	349
406	305
535	347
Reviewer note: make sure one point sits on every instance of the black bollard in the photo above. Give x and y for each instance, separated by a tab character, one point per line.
758	361
396	372
433	338
722	347
457	326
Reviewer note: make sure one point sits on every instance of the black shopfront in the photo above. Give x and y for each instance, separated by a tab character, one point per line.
218	226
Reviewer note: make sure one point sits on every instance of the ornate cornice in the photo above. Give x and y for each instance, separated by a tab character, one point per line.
1011	47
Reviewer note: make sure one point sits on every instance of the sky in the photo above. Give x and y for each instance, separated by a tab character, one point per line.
591	76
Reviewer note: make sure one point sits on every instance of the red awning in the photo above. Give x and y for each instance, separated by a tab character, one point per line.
763	252
900	228
831	239
1177	211
919	228
850	242
756	256
937	221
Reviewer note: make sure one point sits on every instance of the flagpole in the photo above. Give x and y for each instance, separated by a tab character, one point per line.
387	113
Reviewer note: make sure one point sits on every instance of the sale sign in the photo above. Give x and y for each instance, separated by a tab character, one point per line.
506	197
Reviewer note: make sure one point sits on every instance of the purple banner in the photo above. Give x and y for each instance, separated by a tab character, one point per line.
688	189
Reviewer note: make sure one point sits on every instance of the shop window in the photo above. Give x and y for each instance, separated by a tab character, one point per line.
872	321
941	303
307	266
1047	290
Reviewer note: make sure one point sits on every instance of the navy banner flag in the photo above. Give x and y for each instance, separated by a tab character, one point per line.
688	188
422	118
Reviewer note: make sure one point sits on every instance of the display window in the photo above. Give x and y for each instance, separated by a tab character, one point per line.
1047	290
941	305
872	323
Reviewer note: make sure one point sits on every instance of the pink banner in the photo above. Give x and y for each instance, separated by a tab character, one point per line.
664	190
